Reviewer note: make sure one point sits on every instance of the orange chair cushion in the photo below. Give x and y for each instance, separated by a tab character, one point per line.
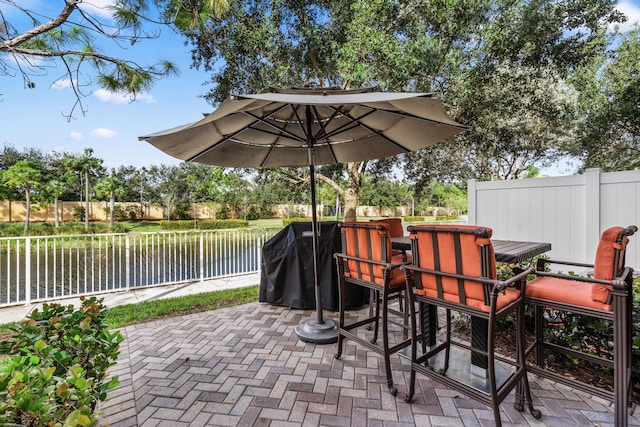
605	267
564	291
366	243
471	264
395	226
504	299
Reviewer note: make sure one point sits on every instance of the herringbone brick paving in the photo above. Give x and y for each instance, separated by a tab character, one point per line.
244	366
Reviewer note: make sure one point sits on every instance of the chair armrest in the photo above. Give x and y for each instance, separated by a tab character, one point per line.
388	265
498	285
518	278
619	283
542	263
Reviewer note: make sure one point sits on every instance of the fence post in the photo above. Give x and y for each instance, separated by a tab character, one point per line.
592	212
27	271
127	262
471	202
201	256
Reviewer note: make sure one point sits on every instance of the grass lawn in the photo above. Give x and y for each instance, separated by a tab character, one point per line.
124	315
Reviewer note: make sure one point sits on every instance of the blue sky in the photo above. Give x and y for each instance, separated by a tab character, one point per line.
112	124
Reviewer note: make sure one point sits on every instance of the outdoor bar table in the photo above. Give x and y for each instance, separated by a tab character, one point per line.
505	251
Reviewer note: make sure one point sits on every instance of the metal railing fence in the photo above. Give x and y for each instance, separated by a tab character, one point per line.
44	268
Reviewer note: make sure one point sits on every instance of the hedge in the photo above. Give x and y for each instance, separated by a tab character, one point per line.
204	225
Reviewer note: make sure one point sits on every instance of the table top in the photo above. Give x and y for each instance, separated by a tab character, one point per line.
505	250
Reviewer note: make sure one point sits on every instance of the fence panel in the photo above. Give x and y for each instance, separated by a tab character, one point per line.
46	268
569	212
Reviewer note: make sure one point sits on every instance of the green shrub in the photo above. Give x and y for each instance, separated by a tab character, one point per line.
413	219
57	371
78	213
204	225
287	221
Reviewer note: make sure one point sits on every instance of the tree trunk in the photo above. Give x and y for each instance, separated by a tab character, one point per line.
354	181
86	201
56	212
111	209
28	213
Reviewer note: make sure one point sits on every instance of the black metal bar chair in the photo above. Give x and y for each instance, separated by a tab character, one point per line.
606	295
367	260
454	268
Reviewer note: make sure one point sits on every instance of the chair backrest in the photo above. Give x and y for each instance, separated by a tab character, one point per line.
369	241
457	249
395	226
610	259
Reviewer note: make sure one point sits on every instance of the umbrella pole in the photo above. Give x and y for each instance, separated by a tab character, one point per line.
316	249
316	331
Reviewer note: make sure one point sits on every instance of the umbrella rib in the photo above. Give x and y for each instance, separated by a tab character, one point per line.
273	146
205	151
323	126
281	131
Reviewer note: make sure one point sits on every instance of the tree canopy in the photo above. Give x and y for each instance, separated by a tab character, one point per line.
535	80
71	34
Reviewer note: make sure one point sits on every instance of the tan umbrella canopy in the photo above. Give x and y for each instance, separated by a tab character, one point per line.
308	127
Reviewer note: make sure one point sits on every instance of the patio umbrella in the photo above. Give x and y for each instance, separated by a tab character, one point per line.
309	127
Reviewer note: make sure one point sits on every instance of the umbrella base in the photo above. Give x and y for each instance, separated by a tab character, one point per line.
319	333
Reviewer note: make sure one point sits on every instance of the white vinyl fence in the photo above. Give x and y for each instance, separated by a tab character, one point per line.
569	212
44	268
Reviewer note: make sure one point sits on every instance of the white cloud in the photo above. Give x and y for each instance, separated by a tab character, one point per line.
631	11
99	7
120	98
103	133
75	135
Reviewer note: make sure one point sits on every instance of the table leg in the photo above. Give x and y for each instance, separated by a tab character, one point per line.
479	361
429	323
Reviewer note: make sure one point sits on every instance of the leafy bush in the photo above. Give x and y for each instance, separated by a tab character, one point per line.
204	225
16	229
126	213
413	219
57	371
78	213
287	221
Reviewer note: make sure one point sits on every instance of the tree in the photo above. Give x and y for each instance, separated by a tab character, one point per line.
71	40
609	102
55	188
86	166
384	193
454	47
25	177
170	188
109	187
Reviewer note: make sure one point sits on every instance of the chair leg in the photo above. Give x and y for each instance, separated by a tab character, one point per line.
539	336
523	391
621	364
385	341
414	341
447	352
341	306
372	297
376	322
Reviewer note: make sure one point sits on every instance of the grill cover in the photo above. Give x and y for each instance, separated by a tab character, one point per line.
287	269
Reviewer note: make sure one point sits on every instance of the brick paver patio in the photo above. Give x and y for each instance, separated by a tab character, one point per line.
244	366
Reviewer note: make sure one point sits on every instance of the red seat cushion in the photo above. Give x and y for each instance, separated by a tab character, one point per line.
564	291
395	226
605	267
504	299
471	261
366	243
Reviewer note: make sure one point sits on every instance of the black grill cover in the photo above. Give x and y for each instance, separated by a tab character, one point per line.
287	269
